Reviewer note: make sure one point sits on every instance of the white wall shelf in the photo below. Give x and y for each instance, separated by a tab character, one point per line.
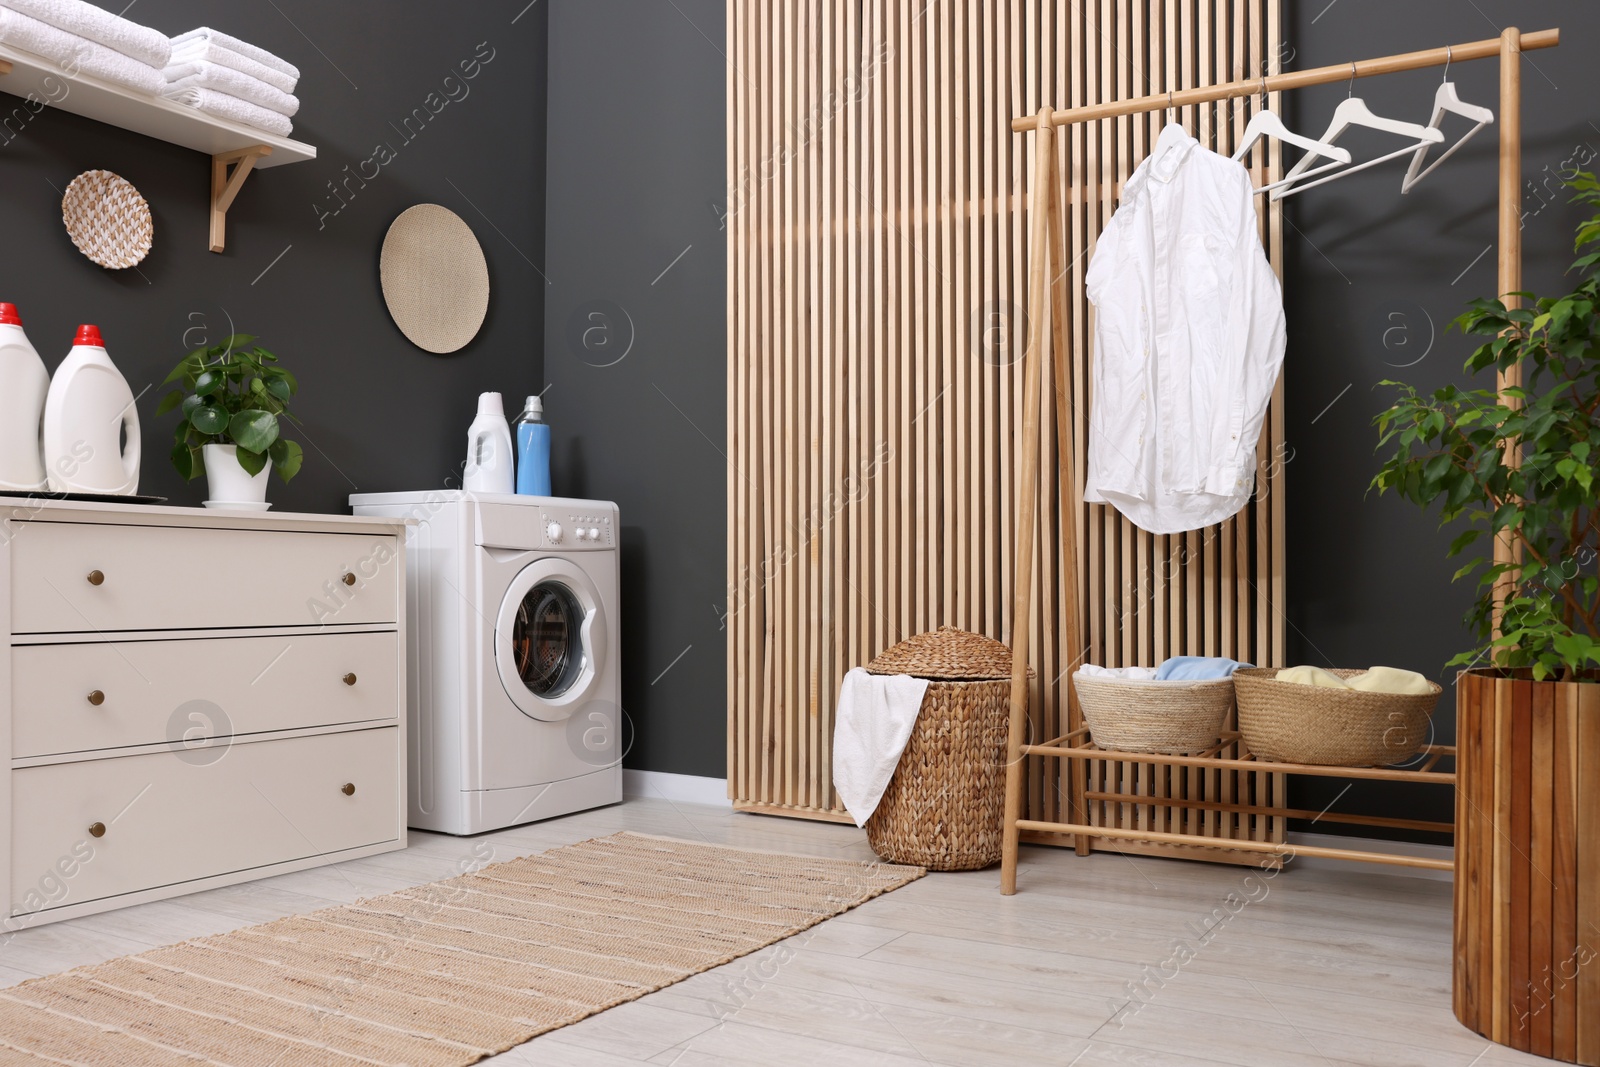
235	149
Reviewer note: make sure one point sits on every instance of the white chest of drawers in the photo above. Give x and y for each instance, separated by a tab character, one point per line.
193	698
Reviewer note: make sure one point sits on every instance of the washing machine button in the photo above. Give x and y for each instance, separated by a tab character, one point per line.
594	533
582	534
553	532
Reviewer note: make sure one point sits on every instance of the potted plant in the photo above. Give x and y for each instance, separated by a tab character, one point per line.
232	399
1520	467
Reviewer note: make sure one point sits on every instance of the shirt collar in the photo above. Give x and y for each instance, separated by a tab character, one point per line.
1172	148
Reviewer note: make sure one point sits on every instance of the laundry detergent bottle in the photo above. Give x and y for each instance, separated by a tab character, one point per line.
91	430
533	450
24	383
491	466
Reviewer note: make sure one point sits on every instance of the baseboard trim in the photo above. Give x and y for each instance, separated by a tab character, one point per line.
685	788
1370	844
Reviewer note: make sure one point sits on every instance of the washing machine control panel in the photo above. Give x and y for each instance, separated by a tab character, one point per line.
575	529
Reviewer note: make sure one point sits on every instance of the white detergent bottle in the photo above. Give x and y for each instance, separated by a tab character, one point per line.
23	385
91	430
491	465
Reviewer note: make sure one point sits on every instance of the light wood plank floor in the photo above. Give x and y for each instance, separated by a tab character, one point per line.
1105	960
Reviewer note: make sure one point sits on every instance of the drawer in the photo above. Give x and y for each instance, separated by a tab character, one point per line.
80	577
83	697
168	821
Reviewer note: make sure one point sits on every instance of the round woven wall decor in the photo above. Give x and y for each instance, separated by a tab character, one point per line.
435	279
107	219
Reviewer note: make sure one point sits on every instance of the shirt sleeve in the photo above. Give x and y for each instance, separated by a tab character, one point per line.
1256	337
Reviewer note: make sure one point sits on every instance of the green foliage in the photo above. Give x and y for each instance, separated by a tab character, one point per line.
1520	466
232	395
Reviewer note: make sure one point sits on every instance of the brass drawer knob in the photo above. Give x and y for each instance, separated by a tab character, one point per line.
350	679
96	578
349	579
348	789
97	829
97	698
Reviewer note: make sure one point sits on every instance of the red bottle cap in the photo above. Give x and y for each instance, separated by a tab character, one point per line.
89	335
9	316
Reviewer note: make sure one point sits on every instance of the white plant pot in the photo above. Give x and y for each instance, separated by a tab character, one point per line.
229	482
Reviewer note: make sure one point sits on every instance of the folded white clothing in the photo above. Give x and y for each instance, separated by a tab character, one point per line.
1126	674
1391	680
871	727
76	55
244	48
1307	674
81	19
231	107
227	80
201	50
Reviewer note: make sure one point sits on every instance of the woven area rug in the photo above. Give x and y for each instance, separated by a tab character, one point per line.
441	974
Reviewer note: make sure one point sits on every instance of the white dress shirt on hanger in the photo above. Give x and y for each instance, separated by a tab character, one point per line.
1189	336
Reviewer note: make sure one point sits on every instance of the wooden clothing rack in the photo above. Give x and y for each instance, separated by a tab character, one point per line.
1048	261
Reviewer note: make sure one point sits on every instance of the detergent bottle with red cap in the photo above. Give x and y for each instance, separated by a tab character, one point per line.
23	385
91	430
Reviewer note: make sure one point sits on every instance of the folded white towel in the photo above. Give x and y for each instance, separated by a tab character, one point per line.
227	80
231	107
871	727
150	47
201	50
1126	674
244	48
75	55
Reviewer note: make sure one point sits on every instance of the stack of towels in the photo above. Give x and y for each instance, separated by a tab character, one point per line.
232	79
81	38
202	69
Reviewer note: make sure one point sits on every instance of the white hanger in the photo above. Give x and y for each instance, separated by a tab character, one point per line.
1267	124
1353	111
1445	101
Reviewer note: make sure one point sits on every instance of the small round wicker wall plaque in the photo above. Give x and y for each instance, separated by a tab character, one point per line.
107	219
435	279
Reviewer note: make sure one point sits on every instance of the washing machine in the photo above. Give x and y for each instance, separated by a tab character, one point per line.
514	688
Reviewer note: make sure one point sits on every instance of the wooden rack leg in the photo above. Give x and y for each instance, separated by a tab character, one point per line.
5	67
226	183
1027	498
1067	479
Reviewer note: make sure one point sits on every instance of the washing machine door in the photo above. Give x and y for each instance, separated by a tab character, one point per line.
549	642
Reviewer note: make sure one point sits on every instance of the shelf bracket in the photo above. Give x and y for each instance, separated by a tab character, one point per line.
5	67
228	172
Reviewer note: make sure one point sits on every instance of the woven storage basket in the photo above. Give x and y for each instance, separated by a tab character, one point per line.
944	807
107	219
1175	717
1292	723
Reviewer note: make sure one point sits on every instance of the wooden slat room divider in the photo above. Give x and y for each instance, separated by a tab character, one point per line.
877	265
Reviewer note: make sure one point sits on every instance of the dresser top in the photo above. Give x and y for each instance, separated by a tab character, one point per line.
19	509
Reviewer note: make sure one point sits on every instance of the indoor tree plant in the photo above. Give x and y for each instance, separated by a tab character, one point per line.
233	399
1520	466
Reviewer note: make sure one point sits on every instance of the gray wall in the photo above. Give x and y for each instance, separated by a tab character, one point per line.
379	413
634	349
1372	280
636	155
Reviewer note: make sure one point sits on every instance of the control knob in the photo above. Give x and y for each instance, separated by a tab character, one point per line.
553	531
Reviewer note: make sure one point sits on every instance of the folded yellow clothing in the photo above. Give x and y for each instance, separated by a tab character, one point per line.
1390	680
1308	675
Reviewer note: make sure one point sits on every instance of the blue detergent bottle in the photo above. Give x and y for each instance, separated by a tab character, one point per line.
533	450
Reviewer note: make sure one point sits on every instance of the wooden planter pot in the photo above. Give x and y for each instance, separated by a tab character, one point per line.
1527	887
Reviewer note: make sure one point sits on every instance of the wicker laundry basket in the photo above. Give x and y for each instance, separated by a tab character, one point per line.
944	807
1292	723
1171	716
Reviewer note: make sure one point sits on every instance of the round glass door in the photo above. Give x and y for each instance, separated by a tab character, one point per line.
547	641
550	639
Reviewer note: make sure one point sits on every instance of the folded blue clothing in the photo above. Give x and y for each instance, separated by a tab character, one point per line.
1197	668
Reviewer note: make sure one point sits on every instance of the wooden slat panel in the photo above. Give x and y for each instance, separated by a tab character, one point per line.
878	246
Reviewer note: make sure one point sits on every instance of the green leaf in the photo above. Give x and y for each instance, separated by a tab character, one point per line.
253	430
187	460
280	389
209	419
209	382
252	462
170	401
287	458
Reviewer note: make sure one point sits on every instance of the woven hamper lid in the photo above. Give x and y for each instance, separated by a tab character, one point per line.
948	654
